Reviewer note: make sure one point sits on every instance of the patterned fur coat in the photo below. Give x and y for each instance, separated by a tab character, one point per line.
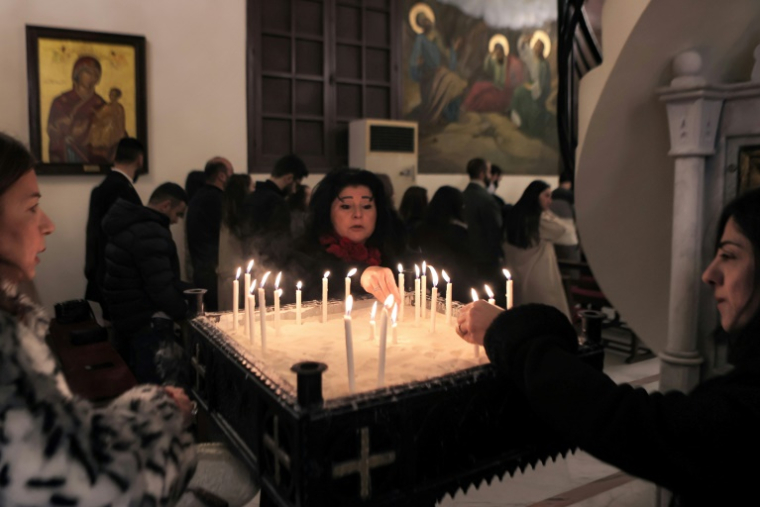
57	449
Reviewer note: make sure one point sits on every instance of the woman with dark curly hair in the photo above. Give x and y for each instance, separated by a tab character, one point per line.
348	227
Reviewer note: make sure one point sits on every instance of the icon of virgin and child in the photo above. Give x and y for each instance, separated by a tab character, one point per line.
82	126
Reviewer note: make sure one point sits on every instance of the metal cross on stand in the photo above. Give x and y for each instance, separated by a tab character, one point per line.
200	370
280	456
364	464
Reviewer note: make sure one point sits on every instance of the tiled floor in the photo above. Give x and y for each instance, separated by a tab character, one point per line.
578	480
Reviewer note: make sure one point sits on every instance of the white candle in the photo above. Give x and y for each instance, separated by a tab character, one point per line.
448	296
263	310
251	300
246	293
401	292
394	323
349	345
433	300
383	341
235	301
298	303
476	347
417	294
423	289
348	282
372	325
491	300
324	296
277	294
509	297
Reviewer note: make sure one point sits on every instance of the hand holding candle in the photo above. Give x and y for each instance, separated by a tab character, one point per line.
350	345
449	296
433	299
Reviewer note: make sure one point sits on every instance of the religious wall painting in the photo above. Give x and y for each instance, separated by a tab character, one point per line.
480	77
86	92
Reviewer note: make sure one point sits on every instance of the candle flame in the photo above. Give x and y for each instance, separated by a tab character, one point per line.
424	267
250	265
417	269
299	285
327	273
264	279
349	305
373	312
400	268
277	280
394	314
279	292
253	287
389	301
489	291
435	276
238	273
445	276
507	274
351	273
474	295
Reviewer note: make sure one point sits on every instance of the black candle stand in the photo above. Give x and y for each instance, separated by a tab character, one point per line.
407	445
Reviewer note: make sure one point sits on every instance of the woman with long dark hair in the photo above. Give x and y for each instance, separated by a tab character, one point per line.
232	250
55	448
412	208
694	444
349	226
531	230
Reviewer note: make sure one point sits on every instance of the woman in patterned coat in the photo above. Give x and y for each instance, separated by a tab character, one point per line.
55	448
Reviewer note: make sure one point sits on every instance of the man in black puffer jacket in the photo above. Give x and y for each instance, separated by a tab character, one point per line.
142	286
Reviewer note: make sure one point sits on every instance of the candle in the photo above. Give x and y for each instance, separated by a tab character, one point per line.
383	341
372	325
449	296
417	294
277	294
394	323
235	301
251	301
349	345
348	282
433	299
263	310
298	303
401	291
423	289
475	297
246	293
324	296
510	298
491	300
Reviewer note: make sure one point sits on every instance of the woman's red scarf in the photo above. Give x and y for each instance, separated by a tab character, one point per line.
347	250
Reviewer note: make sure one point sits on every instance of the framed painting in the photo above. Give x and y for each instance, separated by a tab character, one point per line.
86	92
480	77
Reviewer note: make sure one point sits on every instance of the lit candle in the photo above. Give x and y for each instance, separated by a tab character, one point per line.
277	294
510	298
491	300
383	340
251	301
235	301
448	296
401	292
349	345
475	298
246	293
394	323
348	282
433	299
298	303
417	294
372	325
263	310
423	290
324	296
